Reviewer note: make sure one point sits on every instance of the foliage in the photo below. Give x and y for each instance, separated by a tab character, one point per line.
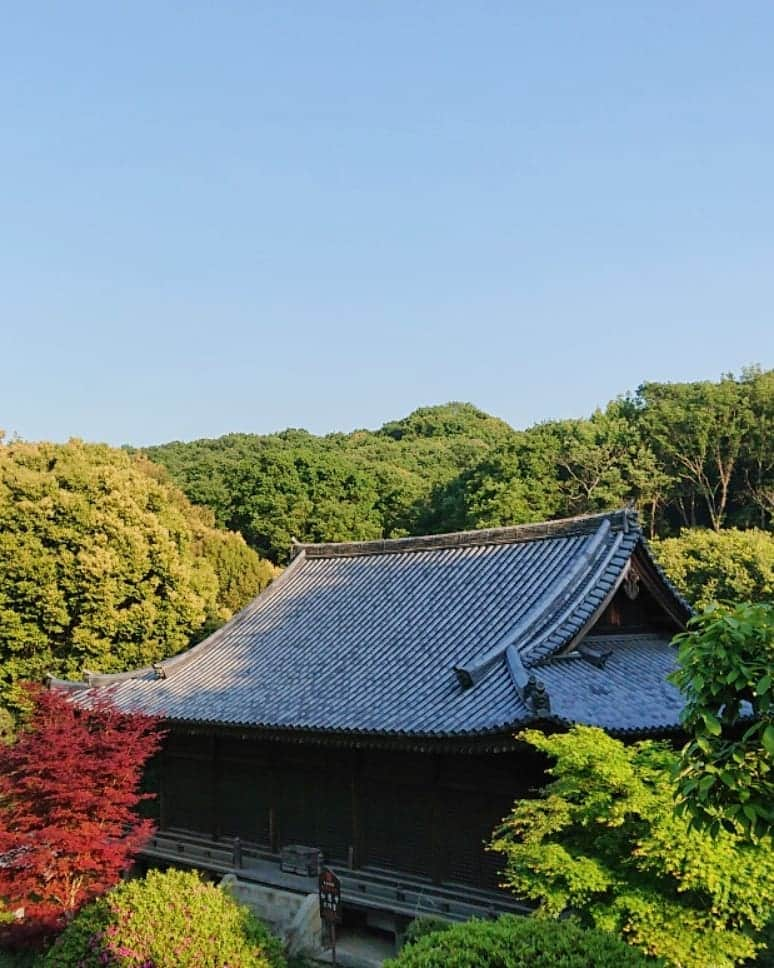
104	565
69	792
354	486
19	959
7	725
699	432
166	920
726	671
241	574
420	927
765	957
519	942
690	454
603	841
731	565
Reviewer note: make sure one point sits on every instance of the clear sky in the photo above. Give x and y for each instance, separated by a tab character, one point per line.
250	215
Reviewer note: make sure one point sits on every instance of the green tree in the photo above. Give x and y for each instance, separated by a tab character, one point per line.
366	484
699	432
102	565
726	671
727	565
691	453
595	460
603	842
758	458
513	484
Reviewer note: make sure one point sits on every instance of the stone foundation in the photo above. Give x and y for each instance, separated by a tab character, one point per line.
293	917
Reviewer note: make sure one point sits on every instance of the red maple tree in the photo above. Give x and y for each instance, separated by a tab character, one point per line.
69	792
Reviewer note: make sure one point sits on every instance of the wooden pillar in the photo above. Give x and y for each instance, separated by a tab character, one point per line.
216	767
163	787
356	799
273	781
437	815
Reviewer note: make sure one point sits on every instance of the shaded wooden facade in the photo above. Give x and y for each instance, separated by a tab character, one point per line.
423	814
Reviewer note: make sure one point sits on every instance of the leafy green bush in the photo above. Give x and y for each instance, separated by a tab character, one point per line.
421	927
604	842
519	942
19	959
169	919
765	957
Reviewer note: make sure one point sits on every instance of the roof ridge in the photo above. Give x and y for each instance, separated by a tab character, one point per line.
623	519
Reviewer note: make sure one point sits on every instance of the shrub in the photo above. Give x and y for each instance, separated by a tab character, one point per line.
765	957
19	959
519	942
169	919
421	927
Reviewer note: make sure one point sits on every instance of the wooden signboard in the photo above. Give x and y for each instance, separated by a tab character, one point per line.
330	896
330	902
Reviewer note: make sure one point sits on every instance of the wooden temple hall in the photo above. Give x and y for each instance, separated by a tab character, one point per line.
365	704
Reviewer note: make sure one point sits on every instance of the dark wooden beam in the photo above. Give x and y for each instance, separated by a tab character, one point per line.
273	819
437	813
356	794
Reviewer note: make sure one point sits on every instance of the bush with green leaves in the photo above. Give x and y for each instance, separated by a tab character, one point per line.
170	919
765	957
726	671
519	942
19	959
419	927
604	843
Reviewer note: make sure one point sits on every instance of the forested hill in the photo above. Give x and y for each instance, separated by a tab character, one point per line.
687	454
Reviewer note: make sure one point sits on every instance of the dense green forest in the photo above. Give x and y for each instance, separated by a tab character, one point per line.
686	454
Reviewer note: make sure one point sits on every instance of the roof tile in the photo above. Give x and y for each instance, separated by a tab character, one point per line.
365	637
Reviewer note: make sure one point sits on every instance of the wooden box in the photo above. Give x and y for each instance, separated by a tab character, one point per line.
301	860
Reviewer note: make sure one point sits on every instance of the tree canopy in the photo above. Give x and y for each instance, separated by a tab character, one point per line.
105	565
686	454
729	565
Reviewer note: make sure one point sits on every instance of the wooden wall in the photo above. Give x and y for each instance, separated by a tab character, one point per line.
423	814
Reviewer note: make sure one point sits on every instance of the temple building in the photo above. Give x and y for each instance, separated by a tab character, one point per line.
367	703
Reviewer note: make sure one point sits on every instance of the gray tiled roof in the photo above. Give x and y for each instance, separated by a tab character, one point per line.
366	638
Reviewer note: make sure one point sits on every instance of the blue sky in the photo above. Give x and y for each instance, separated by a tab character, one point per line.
246	216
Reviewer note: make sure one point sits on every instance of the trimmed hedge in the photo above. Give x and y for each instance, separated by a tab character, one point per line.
520	942
169	919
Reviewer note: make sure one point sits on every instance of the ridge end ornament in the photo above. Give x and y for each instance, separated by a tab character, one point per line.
631	584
